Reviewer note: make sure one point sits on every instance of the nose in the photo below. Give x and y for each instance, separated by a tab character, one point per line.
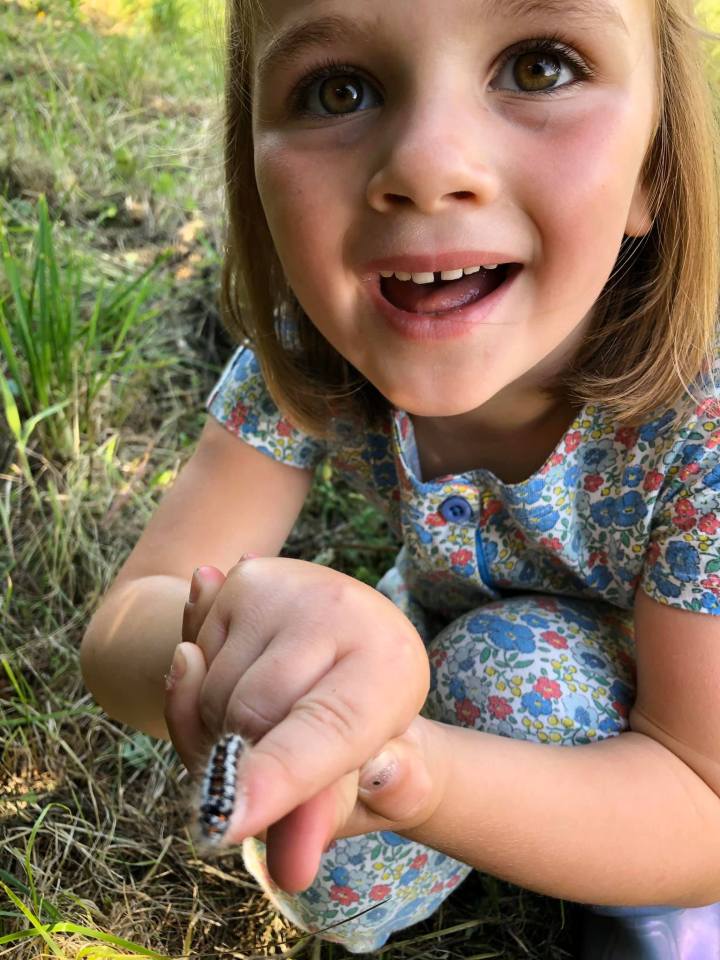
432	159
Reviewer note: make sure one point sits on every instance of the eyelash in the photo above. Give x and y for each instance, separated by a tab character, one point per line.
548	44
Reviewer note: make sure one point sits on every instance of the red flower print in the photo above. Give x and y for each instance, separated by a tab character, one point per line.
435	520
689	470
653	552
344	895
438	657
593	481
466	712
712	583
572	441
237	417
419	862
404	427
499	707
685	514
713	440
710	408
547	603
379	891
452	882
461	557
556	458
437	887
284	427
490	509
552	543
622	708
652	480
598	556
547	688
709	523
554	639
627	436
627	661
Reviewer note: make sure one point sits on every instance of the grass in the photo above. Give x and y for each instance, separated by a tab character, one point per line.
111	342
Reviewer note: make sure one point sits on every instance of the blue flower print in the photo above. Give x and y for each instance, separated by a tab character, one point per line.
394	839
665	586
684	561
457	689
506	635
603	512
621	692
340	876
536	620
384	474
572	475
600	577
692	453
466	666
579	708
709	601
633	476
376	448
527	572
630	509
593	457
410	875
597	663
712	479
609	725
576	616
411	908
542	518
649	431
422	534
311	895
529	492
490	549
536	704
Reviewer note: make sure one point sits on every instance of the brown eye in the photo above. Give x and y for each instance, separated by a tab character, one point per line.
536	71
340	95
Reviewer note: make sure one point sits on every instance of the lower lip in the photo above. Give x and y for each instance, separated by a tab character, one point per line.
445	326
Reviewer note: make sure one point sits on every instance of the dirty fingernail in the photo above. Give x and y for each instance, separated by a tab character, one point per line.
177	669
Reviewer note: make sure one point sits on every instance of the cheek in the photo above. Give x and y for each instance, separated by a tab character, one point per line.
586	167
302	205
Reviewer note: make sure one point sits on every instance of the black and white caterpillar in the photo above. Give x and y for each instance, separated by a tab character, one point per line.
218	789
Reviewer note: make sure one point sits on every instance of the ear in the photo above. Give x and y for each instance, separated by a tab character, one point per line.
639	221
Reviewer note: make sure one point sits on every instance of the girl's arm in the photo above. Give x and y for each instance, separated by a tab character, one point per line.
228	500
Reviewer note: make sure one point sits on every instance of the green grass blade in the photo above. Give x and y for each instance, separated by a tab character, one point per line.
29	849
42	930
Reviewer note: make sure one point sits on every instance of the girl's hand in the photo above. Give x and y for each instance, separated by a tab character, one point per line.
319	671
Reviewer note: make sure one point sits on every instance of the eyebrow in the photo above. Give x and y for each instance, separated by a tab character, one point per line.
288	47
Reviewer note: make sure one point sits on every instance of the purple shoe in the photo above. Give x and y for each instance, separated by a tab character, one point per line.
650	933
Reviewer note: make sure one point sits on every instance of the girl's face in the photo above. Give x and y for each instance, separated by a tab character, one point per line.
446	136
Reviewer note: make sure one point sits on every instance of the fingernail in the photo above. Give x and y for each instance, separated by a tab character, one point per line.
376	773
247	556
194	585
177	669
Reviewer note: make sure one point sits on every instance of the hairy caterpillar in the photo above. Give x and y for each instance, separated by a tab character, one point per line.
218	789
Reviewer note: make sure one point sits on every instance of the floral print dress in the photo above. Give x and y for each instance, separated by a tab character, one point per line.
522	591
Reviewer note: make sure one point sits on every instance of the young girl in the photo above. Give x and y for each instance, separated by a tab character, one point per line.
474	260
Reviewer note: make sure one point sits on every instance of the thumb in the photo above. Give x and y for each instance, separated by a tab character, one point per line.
189	735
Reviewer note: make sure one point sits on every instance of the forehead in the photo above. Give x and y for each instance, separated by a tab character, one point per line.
286	27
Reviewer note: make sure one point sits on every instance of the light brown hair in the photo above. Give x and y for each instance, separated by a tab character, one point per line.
655	324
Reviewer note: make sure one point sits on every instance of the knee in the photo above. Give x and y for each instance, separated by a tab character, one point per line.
532	668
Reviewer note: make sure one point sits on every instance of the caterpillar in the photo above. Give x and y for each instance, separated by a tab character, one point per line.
218	789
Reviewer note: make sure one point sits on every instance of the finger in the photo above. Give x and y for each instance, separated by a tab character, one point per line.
295	844
249	699
189	735
327	734
212	632
204	588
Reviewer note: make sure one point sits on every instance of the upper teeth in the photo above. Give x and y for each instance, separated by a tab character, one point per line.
432	277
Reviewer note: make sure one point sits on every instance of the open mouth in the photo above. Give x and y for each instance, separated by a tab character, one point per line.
443	296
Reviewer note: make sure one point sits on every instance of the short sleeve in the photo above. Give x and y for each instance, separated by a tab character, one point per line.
241	402
682	566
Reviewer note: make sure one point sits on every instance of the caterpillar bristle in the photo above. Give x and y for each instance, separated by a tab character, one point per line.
217	793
